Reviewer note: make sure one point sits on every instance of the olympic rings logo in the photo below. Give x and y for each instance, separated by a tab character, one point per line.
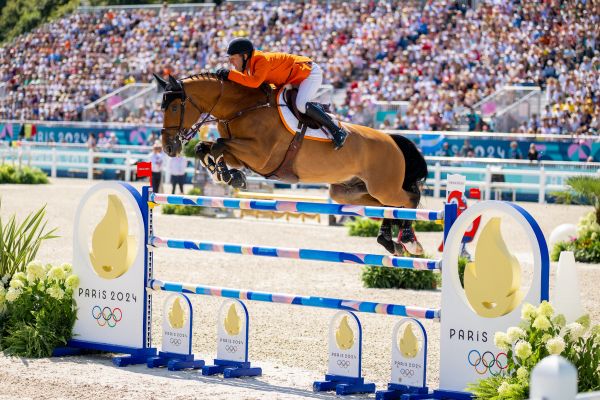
495	364
174	341
107	316
407	373
343	363
230	348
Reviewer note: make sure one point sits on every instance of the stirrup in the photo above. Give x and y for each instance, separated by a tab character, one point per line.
337	143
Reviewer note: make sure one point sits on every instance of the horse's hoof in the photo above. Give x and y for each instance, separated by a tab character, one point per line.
413	248
387	242
238	179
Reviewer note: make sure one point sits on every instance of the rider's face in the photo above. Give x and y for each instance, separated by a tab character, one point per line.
236	60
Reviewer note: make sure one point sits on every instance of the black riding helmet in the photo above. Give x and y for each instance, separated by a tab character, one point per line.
241	46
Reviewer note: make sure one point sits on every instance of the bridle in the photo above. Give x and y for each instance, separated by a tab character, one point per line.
184	135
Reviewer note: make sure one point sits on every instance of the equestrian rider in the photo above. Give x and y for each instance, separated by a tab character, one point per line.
254	67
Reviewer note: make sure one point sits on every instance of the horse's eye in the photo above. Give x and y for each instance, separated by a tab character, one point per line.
174	108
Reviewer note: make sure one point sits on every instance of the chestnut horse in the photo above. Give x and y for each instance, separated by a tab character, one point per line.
373	168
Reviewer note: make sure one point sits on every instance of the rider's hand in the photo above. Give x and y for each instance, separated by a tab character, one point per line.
223	74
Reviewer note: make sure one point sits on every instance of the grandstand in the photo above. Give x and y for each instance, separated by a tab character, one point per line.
440	60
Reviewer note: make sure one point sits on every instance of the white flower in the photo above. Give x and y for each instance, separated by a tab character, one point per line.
68	268
13	294
501	341
575	330
585	321
20	276
542	323
55	292
503	388
523	349
528	311
56	274
5	279
515	334
546	309
72	281
523	374
560	320
35	271
16	284
555	345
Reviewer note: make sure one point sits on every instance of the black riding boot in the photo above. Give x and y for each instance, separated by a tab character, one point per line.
339	134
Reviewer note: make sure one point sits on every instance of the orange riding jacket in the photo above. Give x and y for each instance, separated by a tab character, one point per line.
276	68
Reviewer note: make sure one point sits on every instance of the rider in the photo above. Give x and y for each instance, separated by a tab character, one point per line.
254	67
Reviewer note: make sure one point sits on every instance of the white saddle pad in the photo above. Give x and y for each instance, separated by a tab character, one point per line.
291	122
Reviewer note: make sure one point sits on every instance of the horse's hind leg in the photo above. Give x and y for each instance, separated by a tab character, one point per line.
355	192
385	185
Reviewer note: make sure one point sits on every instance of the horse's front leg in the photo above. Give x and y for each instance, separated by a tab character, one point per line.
233	177
207	160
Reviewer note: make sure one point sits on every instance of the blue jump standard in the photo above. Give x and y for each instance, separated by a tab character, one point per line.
396	391
343	385
231	369
402	392
174	361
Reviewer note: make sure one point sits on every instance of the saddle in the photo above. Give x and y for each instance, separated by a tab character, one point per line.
289	96
285	171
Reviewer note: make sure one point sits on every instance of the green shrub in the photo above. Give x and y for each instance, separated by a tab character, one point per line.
37	310
24	175
367	227
189	149
364	227
427	226
398	278
587	245
20	242
462	263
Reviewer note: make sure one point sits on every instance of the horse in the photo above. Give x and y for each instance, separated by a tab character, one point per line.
372	168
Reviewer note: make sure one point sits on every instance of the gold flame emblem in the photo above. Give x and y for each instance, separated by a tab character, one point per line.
113	251
232	323
176	315
344	337
409	345
493	281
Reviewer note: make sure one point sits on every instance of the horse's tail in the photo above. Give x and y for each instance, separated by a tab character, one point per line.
415	171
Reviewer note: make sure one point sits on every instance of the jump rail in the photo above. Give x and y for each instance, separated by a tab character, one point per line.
300	254
298	206
307	301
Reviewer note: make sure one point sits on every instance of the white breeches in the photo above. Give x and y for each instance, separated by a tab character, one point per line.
308	88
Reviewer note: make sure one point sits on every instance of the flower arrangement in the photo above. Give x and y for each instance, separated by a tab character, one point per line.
37	310
540	334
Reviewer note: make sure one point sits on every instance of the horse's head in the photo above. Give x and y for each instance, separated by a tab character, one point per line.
179	114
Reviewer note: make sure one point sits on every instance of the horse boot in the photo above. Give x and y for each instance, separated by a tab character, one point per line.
384	237
316	112
407	238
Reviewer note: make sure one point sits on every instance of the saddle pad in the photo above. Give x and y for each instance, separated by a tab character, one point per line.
291	122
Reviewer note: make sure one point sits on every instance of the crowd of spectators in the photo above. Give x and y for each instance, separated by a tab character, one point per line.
440	56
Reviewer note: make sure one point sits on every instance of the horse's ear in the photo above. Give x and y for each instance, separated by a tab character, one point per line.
175	84
162	84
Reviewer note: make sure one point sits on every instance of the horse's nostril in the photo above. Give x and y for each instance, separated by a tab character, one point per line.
169	148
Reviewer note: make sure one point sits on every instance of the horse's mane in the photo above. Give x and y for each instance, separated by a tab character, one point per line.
202	75
213	76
